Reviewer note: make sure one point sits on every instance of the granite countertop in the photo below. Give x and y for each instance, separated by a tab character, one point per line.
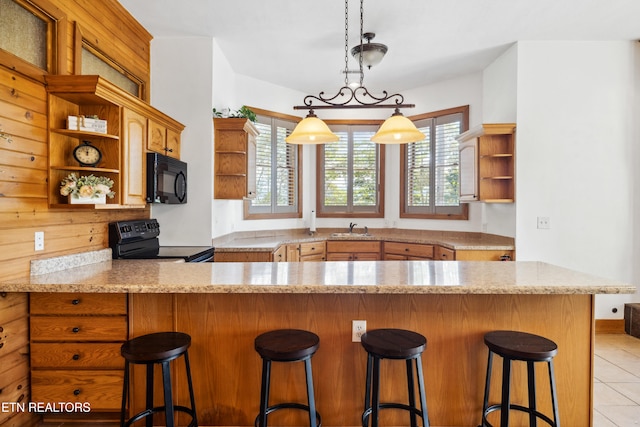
267	241
360	277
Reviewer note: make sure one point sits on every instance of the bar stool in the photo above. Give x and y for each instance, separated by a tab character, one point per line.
398	344
286	345
530	348
157	348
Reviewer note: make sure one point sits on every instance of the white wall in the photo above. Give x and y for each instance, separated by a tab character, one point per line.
499	105
574	158
181	86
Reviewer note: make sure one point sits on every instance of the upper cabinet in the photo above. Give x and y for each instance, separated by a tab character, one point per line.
131	125
487	163
234	159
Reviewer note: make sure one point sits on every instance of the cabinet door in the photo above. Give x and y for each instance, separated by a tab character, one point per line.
134	165
173	143
280	254
157	137
468	170
445	254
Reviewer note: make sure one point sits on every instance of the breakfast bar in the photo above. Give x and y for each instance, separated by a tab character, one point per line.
224	306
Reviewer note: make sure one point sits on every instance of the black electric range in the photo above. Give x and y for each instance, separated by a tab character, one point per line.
138	239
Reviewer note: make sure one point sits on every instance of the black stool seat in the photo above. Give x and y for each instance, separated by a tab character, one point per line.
519	346
151	349
286	345
396	344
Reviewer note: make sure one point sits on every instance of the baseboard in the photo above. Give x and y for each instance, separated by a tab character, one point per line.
610	326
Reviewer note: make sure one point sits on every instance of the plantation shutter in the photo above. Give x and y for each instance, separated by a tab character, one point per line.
350	172
276	168
431	179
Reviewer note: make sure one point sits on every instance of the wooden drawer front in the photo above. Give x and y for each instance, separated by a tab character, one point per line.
78	303
101	389
414	250
366	256
76	355
353	246
317	257
339	256
70	328
445	254
312	248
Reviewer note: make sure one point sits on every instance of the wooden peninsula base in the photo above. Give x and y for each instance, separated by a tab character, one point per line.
226	368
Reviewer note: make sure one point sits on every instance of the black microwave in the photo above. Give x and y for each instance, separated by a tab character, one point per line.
166	180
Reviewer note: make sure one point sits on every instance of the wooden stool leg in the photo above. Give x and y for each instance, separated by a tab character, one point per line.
506	392
168	396
311	401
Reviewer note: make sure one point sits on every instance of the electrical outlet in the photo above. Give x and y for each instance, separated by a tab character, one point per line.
358	327
39	240
544	223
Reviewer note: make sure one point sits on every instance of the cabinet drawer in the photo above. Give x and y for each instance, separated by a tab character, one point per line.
353	246
412	250
312	248
76	355
78	328
101	389
445	254
77	303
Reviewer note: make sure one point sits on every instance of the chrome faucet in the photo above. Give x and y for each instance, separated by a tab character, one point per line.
351	225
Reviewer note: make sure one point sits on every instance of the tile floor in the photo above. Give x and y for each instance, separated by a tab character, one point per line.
616	385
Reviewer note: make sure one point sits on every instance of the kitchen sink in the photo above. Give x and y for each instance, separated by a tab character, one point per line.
350	235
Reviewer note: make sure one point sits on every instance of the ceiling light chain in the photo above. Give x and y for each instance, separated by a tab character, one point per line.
346	42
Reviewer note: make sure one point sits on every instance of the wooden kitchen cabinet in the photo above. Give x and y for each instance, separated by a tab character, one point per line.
75	350
280	254
123	147
353	250
163	139
407	251
487	163
234	159
445	254
244	256
312	251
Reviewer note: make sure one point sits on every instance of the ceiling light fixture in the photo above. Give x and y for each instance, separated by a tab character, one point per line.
395	130
372	53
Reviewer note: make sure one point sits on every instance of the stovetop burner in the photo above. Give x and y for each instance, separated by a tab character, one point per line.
138	239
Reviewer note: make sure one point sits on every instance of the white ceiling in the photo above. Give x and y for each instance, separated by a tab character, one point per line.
299	44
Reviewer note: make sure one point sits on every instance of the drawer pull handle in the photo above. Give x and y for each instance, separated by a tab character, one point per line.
76	357
75	330
75	302
76	391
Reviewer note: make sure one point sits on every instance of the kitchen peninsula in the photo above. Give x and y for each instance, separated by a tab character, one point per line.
224	306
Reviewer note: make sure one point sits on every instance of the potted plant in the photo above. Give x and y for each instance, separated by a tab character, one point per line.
243	113
86	189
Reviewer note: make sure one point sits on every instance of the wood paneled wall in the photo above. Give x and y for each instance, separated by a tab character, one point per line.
24	160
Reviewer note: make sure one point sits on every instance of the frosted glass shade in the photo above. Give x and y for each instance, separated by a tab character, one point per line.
397	129
372	53
311	130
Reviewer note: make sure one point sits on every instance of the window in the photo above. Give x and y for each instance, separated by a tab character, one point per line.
430	168
350	174
32	37
277	169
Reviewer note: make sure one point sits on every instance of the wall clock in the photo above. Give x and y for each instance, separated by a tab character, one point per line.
87	154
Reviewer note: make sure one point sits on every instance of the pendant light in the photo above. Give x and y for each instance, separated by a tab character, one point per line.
371	53
311	130
395	130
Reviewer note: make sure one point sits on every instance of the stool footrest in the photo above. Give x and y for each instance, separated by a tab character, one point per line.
515	407
367	412
289	405
149	412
